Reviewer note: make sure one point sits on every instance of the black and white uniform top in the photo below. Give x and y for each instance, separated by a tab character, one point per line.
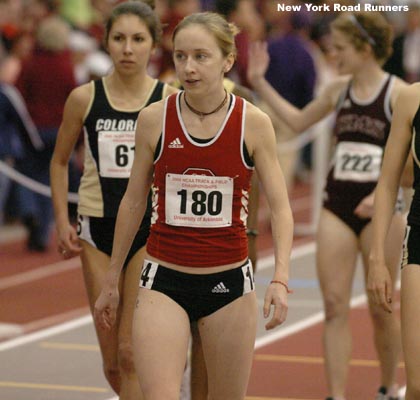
109	134
361	131
414	214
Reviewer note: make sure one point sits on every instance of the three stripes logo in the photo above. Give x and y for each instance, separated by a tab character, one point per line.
176	144
220	288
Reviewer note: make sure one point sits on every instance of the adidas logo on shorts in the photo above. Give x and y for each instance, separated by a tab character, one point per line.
220	288
176	144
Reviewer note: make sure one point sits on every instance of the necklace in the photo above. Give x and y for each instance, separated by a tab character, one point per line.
204	114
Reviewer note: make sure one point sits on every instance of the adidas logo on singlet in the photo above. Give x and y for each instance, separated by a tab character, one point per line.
176	144
220	288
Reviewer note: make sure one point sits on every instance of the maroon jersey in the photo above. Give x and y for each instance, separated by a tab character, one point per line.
361	131
200	192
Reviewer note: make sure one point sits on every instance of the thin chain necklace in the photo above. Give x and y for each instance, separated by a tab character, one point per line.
204	114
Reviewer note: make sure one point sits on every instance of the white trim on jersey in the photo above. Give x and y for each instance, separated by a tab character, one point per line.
219	132
413	148
387	100
373	98
162	138
242	142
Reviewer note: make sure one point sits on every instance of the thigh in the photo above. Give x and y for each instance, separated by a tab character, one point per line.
410	319
161	332
128	295
95	265
228	338
337	250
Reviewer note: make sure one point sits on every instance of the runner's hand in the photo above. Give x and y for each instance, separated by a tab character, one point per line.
365	208
379	285
105	311
68	242
275	295
258	61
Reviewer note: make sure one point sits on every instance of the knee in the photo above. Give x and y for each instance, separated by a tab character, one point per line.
380	319
125	358
334	307
161	393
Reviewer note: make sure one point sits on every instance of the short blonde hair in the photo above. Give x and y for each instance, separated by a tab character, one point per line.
223	31
53	34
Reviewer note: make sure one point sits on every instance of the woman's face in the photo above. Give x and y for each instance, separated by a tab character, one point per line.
130	44
348	59
199	61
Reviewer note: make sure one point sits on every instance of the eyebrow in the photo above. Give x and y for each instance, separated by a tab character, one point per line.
204	50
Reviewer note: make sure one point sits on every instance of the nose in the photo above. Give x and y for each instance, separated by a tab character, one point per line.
189	65
128	47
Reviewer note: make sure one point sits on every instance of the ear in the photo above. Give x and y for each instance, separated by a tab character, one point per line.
228	64
367	50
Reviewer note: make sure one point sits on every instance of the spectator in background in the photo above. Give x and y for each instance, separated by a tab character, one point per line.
10	13
35	11
45	82
175	12
17	131
405	59
78	13
19	49
291	72
101	10
82	46
3	13
244	14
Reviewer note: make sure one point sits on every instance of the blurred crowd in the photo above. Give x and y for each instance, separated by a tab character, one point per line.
48	47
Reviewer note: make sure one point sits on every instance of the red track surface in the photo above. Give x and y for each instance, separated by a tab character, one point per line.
290	368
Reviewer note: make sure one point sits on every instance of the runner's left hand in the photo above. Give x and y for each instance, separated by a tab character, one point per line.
276	295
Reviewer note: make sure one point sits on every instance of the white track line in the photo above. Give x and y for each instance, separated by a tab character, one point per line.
39	273
56	319
301	325
8	331
55	330
263	263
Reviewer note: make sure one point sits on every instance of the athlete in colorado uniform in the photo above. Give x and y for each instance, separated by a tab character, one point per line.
363	102
405	133
198	150
106	110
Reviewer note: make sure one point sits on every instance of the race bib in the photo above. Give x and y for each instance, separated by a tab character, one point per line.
359	162
198	201
116	153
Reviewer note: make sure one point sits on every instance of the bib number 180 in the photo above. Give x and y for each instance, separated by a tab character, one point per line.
198	201
202	202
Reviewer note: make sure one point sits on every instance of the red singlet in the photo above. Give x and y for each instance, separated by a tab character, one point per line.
200	192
